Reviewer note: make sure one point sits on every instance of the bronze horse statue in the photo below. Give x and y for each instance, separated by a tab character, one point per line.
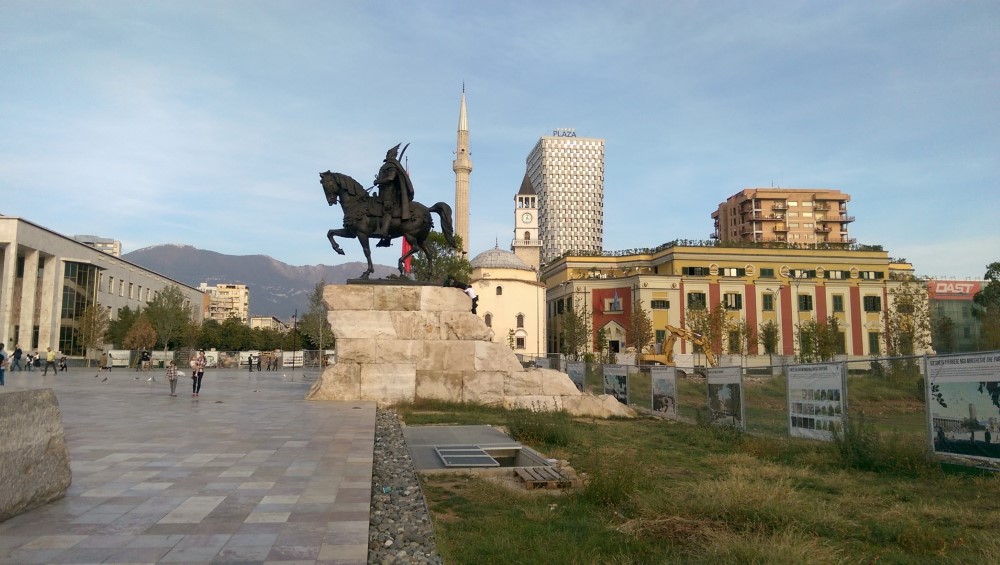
360	223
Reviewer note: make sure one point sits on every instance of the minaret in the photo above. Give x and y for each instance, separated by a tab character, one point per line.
462	165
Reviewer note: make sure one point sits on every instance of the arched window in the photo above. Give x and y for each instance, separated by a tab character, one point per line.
499	290
520	320
527	236
489	320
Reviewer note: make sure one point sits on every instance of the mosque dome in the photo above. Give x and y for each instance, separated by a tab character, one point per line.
497	258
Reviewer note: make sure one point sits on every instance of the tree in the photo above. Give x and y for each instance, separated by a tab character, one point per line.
234	335
986	308
141	335
118	329
169	315
742	337
639	333
712	325
768	334
445	262
907	319
943	336
210	334
574	331
94	325
820	340
315	323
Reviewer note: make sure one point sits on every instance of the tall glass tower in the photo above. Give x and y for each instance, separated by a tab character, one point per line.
567	173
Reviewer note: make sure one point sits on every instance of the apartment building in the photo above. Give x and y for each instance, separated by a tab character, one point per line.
802	216
227	301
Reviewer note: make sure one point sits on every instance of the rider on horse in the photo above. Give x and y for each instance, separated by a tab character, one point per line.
395	191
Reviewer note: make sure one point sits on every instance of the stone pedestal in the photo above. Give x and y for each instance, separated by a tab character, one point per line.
406	343
34	459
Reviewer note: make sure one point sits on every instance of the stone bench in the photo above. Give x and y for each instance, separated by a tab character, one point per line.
34	459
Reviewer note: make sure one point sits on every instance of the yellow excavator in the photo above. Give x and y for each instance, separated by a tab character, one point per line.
673	334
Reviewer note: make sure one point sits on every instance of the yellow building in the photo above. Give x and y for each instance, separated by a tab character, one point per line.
755	284
511	301
268	323
801	216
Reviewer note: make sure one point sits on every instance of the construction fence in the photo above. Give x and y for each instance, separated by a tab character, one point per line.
951	403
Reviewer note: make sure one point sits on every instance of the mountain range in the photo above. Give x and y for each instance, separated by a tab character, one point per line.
276	289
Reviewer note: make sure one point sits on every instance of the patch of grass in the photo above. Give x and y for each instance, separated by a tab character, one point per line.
671	492
540	428
861	446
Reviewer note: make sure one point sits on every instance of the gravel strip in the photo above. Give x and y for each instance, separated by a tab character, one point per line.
399	529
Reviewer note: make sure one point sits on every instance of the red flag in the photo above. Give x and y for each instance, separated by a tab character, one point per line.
406	249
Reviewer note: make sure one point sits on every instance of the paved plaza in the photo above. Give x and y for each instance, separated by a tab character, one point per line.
248	472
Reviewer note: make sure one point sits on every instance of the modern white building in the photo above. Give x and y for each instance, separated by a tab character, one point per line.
48	279
567	173
105	244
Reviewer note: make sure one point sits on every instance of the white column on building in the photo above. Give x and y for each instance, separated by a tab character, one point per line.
51	310
7	295
29	283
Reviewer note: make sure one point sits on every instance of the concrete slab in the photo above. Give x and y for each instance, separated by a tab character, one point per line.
421	441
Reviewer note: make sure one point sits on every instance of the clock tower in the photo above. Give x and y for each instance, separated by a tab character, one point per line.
526	244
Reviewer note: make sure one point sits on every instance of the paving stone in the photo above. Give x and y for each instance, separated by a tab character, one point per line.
261	476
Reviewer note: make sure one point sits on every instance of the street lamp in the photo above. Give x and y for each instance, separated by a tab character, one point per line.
295	336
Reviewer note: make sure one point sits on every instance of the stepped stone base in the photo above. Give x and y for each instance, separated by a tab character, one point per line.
34	459
406	343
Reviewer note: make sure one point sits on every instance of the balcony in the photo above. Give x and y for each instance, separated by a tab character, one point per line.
713	235
780	228
823	229
779	206
820	207
527	242
842	218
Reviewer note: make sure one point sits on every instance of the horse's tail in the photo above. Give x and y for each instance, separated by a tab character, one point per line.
443	210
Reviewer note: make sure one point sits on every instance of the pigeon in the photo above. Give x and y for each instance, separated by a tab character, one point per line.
104	379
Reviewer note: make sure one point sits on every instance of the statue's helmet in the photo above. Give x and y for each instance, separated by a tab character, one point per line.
392	153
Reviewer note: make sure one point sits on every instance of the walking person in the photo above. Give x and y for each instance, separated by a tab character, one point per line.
62	364
250	362
3	363
103	362
50	359
258	363
172	377
15	363
29	362
198	373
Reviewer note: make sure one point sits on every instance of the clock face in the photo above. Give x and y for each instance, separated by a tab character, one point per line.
526	218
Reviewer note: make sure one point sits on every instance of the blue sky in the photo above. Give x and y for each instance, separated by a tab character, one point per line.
207	123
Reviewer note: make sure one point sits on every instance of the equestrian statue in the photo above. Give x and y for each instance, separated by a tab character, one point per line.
390	214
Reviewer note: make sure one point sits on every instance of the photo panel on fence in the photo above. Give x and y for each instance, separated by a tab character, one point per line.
817	400
725	396
663	382
963	406
616	382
